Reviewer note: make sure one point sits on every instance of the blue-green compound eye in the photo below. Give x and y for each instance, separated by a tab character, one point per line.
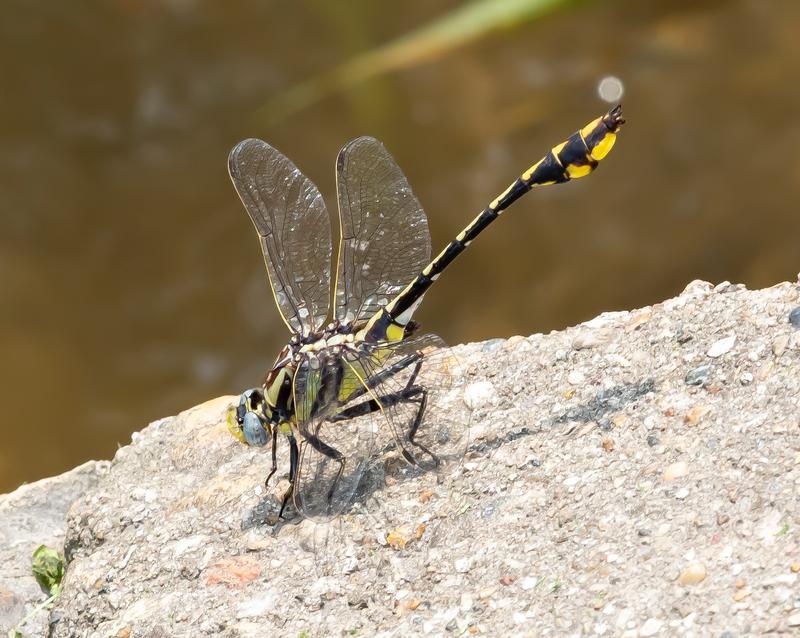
254	432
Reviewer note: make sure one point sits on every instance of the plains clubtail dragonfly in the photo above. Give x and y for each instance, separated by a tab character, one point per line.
345	371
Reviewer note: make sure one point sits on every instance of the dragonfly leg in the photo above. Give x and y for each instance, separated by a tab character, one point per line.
415	391
274	456
332	453
412	431
294	456
367	407
412	394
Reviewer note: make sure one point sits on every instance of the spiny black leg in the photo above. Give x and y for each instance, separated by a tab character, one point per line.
333	454
413	394
373	405
387	400
274	456
414	372
294	456
423	402
412	431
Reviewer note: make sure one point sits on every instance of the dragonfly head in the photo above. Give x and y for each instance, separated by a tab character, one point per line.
250	420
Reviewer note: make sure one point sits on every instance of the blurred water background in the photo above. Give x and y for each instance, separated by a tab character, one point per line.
131	282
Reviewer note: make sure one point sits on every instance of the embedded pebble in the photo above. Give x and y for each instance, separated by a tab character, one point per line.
591	339
746	378
701	375
575	378
462	565
479	394
651	627
794	317
779	344
675	471
718	348
696	414
692	574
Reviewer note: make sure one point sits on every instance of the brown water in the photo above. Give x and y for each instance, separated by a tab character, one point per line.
131	283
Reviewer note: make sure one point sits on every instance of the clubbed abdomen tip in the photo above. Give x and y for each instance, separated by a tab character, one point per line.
613	119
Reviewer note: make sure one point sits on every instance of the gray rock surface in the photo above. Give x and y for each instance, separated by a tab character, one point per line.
33	515
636	475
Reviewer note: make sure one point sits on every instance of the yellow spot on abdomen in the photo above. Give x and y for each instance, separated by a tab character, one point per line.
394	332
604	146
575	170
526	176
497	199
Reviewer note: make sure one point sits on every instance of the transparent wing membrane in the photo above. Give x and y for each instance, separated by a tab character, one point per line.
401	395
385	239
294	230
420	391
334	453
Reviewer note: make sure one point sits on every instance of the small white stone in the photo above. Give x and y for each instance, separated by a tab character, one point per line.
746	378
623	618
256	605
575	378
651	627
462	565
682	493
718	348
519	618
528	583
479	394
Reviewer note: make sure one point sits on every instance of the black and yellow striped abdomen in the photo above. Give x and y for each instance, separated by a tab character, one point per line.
576	157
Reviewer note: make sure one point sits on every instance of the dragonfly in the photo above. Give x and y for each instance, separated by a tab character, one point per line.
356	363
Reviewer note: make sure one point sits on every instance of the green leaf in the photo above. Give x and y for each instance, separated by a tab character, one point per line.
48	569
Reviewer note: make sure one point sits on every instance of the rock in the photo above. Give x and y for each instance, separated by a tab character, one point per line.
612	485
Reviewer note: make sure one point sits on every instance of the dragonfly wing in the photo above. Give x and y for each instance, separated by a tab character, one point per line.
294	229
385	240
334	452
419	386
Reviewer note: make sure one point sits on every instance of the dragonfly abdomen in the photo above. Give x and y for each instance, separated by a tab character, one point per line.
576	157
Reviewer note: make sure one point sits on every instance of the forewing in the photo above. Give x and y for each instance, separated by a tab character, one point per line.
294	229
385	240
